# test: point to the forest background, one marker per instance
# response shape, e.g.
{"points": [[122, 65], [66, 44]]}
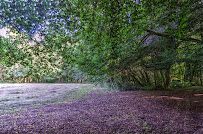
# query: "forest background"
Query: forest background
{"points": [[123, 44]]}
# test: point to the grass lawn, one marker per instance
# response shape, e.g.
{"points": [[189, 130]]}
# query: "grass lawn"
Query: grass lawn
{"points": [[85, 108]]}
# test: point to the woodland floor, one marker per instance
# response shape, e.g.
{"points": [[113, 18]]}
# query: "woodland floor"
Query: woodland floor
{"points": [[89, 109]]}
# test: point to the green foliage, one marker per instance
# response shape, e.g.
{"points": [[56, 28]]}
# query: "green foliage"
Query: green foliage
{"points": [[177, 84], [80, 93], [28, 16], [115, 40], [127, 44], [9, 51]]}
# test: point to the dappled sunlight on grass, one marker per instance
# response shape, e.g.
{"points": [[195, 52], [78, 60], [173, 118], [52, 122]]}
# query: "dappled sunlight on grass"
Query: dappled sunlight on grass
{"points": [[168, 97], [196, 101], [176, 98], [17, 95], [198, 94], [90, 108]]}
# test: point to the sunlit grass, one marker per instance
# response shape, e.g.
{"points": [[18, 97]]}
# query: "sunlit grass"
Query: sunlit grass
{"points": [[79, 93]]}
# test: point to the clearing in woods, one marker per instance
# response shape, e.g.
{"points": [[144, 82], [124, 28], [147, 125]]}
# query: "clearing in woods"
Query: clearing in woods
{"points": [[85, 108]]}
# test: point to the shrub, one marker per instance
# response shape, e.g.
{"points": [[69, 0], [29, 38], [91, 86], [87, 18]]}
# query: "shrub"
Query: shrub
{"points": [[178, 84]]}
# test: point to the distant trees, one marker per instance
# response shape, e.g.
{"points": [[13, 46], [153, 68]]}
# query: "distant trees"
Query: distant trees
{"points": [[21, 62]]}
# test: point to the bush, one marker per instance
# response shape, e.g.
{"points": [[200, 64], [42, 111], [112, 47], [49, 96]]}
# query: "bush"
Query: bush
{"points": [[51, 80], [178, 84]]}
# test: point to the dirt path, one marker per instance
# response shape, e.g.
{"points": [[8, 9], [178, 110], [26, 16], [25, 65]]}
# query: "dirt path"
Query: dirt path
{"points": [[144, 112]]}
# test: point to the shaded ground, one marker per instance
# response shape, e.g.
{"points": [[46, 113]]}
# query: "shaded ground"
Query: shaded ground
{"points": [[156, 112]]}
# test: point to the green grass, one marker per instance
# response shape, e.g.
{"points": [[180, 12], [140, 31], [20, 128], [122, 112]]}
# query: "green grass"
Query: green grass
{"points": [[197, 88], [4, 100], [30, 97], [73, 95], [79, 93]]}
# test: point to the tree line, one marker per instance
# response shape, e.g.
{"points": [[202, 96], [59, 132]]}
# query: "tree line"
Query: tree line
{"points": [[127, 44]]}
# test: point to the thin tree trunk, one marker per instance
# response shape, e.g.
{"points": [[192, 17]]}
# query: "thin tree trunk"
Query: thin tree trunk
{"points": [[147, 78], [133, 76], [143, 78], [155, 79], [167, 75]]}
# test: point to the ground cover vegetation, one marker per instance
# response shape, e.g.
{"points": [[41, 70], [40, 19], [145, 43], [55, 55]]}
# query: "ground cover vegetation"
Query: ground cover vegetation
{"points": [[127, 44], [86, 108]]}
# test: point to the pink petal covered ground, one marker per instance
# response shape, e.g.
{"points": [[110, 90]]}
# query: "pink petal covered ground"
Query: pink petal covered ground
{"points": [[156, 112]]}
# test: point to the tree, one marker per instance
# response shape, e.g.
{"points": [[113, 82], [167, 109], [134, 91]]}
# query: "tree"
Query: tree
{"points": [[115, 36], [128, 43], [28, 16]]}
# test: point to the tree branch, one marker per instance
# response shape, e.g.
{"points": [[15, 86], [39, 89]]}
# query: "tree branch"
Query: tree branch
{"points": [[159, 34], [144, 38], [167, 36], [13, 25]]}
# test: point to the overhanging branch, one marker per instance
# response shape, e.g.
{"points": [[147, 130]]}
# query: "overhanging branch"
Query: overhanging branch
{"points": [[13, 25], [167, 36], [159, 34], [18, 29]]}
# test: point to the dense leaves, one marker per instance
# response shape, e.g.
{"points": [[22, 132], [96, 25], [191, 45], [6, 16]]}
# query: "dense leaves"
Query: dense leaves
{"points": [[138, 41], [28, 16], [129, 44]]}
